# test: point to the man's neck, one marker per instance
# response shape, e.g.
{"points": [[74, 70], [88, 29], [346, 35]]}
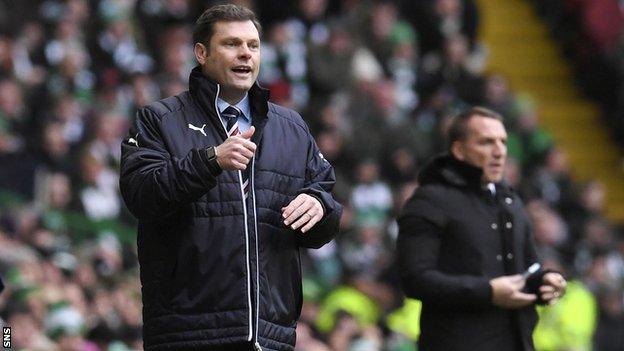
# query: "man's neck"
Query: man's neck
{"points": [[232, 97]]}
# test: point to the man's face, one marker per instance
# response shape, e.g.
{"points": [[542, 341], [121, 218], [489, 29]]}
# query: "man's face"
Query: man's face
{"points": [[232, 58], [485, 146]]}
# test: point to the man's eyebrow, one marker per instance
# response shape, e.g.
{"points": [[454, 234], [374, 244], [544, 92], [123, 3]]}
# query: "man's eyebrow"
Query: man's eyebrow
{"points": [[235, 38], [231, 38]]}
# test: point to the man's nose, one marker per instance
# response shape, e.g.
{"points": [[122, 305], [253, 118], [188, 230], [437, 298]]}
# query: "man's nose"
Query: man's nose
{"points": [[244, 52], [500, 150]]}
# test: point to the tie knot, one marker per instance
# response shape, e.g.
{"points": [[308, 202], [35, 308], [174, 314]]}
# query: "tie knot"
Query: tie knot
{"points": [[231, 119], [231, 112]]}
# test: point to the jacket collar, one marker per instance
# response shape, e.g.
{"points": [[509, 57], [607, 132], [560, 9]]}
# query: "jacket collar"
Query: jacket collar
{"points": [[447, 169], [205, 91]]}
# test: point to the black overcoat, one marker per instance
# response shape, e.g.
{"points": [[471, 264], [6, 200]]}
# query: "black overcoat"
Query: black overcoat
{"points": [[455, 236]]}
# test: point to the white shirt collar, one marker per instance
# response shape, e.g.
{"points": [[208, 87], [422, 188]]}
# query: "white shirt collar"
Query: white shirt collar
{"points": [[492, 188]]}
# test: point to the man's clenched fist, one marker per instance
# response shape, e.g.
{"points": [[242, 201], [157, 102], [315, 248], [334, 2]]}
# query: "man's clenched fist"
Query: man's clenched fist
{"points": [[236, 151]]}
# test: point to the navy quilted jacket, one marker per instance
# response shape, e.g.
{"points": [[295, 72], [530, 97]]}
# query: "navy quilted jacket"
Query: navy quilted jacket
{"points": [[214, 268]]}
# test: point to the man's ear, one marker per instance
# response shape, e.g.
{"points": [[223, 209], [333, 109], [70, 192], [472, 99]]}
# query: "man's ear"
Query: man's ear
{"points": [[457, 149], [201, 52]]}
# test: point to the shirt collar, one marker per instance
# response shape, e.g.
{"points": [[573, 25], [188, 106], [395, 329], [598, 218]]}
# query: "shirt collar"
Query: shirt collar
{"points": [[492, 188], [242, 105]]}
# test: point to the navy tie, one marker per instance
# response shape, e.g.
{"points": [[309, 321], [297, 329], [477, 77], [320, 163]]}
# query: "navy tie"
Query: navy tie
{"points": [[231, 115]]}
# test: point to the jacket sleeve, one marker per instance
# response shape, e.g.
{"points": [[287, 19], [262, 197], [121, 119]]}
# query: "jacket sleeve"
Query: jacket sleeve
{"points": [[320, 180], [530, 255], [420, 237], [153, 182], [535, 280]]}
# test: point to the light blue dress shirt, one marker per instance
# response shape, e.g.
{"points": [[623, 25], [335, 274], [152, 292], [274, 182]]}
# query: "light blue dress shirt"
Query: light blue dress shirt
{"points": [[244, 122]]}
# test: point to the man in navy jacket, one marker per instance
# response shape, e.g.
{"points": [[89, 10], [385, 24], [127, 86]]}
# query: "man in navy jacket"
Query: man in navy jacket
{"points": [[227, 187]]}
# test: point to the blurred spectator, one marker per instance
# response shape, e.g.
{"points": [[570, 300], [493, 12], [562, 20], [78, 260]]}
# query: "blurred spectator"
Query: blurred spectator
{"points": [[549, 230], [109, 130], [451, 67], [591, 198], [371, 198], [177, 58], [330, 65], [498, 97], [438, 20], [343, 311], [528, 143], [69, 112], [116, 43], [386, 33], [310, 22], [13, 118], [99, 196], [55, 199], [56, 149], [552, 182], [332, 144], [27, 55], [401, 166], [282, 70], [366, 255]]}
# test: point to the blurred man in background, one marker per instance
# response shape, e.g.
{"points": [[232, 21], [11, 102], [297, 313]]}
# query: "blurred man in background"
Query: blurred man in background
{"points": [[464, 240]]}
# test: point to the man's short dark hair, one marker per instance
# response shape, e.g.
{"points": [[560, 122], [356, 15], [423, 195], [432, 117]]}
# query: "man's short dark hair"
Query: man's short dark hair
{"points": [[458, 129], [204, 26]]}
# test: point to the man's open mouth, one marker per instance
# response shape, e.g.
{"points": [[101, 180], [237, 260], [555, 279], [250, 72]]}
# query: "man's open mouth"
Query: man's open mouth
{"points": [[241, 69]]}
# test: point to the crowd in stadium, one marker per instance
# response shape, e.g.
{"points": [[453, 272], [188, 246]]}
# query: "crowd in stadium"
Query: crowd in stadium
{"points": [[377, 82]]}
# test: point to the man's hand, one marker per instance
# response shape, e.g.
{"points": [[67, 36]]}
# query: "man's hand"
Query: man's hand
{"points": [[236, 151], [553, 288], [302, 212], [506, 292]]}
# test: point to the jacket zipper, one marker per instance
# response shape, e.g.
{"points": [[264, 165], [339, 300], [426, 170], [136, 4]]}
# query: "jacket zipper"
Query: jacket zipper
{"points": [[253, 193], [240, 182]]}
